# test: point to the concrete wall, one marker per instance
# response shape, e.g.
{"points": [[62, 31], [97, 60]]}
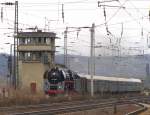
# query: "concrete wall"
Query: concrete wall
{"points": [[31, 73], [35, 47]]}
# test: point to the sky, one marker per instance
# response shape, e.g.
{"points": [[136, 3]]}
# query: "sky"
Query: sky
{"points": [[126, 20]]}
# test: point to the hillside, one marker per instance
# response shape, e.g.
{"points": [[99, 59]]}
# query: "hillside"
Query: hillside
{"points": [[129, 66], [3, 65]]}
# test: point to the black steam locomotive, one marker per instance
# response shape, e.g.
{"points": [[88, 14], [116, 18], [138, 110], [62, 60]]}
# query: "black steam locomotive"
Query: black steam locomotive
{"points": [[58, 81]]}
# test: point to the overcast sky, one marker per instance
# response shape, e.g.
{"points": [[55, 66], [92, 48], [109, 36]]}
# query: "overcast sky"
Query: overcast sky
{"points": [[131, 18]]}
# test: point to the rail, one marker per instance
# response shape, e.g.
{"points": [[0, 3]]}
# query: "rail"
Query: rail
{"points": [[69, 106], [72, 108], [142, 109], [52, 104]]}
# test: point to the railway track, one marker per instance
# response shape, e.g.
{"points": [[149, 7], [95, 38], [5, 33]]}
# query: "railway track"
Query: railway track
{"points": [[71, 109], [44, 106], [48, 109], [138, 111]]}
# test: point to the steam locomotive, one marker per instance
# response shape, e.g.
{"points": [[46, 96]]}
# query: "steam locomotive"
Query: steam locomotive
{"points": [[58, 81]]}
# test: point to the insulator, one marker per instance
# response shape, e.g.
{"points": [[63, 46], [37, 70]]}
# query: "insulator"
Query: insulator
{"points": [[149, 15], [2, 14], [63, 12], [9, 3]]}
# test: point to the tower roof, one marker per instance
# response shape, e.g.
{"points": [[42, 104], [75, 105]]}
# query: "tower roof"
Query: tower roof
{"points": [[36, 34]]}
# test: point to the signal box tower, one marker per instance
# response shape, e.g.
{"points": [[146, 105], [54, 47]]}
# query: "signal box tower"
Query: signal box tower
{"points": [[36, 52]]}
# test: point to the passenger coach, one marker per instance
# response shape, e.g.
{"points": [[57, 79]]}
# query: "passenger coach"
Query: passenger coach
{"points": [[107, 84]]}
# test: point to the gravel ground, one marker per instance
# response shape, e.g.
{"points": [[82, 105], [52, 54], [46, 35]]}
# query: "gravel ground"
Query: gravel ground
{"points": [[146, 112], [121, 110]]}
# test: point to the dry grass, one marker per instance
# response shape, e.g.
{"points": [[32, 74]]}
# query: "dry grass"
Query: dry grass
{"points": [[24, 97], [19, 97]]}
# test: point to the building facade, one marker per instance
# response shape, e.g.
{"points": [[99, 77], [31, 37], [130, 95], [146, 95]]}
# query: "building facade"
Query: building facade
{"points": [[36, 52]]}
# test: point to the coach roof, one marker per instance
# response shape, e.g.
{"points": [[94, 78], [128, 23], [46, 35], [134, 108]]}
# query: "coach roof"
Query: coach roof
{"points": [[104, 78]]}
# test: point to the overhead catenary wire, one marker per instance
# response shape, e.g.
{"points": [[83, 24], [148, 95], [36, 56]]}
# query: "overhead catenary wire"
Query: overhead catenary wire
{"points": [[123, 22], [72, 2], [99, 25], [121, 5], [76, 30], [55, 3], [72, 9], [71, 50], [106, 22], [138, 11], [122, 26], [133, 17], [5, 12], [20, 23]]}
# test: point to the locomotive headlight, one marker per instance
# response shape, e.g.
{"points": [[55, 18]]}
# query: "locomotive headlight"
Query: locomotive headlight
{"points": [[59, 87]]}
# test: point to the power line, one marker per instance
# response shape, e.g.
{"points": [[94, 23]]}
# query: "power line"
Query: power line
{"points": [[72, 2], [76, 9], [71, 50], [112, 16], [56, 3], [7, 17], [7, 28], [133, 17], [137, 9], [19, 22], [126, 21]]}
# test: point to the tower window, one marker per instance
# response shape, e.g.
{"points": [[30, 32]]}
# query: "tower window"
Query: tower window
{"points": [[27, 56], [44, 40], [39, 40]]}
